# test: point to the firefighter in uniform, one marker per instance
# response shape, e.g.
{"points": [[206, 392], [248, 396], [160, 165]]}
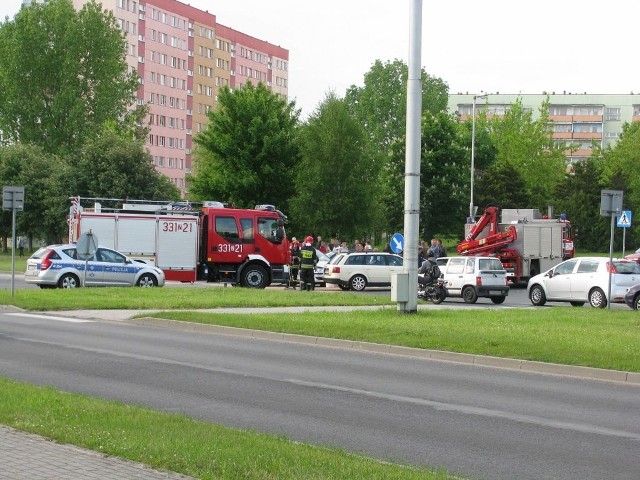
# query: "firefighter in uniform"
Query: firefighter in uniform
{"points": [[308, 260]]}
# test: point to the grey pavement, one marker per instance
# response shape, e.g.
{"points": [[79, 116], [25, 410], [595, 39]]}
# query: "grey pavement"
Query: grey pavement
{"points": [[30, 457]]}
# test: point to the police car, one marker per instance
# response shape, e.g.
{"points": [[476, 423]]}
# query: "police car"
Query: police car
{"points": [[58, 266]]}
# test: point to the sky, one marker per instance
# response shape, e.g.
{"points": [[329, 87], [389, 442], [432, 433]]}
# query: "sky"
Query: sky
{"points": [[475, 46]]}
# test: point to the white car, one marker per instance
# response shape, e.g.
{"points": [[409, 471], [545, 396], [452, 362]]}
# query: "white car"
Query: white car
{"points": [[59, 266], [584, 279], [473, 277], [358, 270]]}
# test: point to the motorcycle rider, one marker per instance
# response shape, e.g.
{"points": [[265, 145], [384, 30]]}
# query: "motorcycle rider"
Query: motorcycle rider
{"points": [[308, 260], [428, 272]]}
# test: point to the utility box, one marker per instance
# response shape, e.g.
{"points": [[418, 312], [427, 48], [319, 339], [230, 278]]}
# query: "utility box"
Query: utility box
{"points": [[400, 287]]}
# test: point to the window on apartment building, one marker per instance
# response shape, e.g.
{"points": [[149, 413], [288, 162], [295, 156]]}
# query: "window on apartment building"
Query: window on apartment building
{"points": [[562, 128], [133, 28], [587, 110], [133, 50], [122, 3], [612, 135], [612, 113], [134, 7], [636, 110], [162, 99], [161, 161], [587, 127], [160, 141]]}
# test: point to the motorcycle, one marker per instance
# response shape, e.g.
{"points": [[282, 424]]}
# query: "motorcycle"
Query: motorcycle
{"points": [[431, 290]]}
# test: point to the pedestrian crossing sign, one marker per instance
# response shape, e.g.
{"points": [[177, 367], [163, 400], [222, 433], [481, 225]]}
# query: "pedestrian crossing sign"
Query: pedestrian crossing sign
{"points": [[624, 220]]}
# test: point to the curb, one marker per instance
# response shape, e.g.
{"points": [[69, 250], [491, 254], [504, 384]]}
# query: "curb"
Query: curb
{"points": [[630, 378]]}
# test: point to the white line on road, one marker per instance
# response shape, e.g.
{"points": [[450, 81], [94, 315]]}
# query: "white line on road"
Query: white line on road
{"points": [[48, 317]]}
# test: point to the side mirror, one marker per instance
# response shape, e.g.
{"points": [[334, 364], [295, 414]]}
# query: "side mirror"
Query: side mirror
{"points": [[549, 274]]}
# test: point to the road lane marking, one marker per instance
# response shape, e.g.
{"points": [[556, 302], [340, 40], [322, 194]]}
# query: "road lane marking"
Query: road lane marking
{"points": [[48, 317]]}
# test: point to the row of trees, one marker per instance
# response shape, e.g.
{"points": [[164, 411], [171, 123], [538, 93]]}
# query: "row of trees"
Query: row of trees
{"points": [[70, 127]]}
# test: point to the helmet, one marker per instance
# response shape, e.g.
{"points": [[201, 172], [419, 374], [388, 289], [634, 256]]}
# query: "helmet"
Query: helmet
{"points": [[309, 239]]}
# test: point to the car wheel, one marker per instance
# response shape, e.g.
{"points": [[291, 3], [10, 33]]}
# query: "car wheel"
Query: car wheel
{"points": [[577, 304], [537, 296], [147, 280], [597, 298], [254, 276], [358, 283], [498, 300], [469, 295], [68, 280], [636, 302]]}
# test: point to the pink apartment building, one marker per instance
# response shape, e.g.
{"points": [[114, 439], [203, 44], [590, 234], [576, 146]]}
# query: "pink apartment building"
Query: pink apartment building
{"points": [[183, 57]]}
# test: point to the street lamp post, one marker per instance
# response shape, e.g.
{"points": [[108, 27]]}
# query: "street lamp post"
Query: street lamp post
{"points": [[473, 146]]}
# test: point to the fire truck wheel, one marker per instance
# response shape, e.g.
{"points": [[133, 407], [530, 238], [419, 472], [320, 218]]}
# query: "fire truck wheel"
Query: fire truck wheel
{"points": [[597, 298], [147, 280], [68, 280], [254, 276], [469, 295], [537, 296]]}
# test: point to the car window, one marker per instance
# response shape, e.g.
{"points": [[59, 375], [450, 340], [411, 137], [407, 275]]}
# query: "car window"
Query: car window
{"points": [[588, 266], [471, 265], [456, 265], [355, 260], [40, 253], [627, 267], [393, 260], [104, 255], [565, 268], [70, 252], [490, 264], [336, 259]]}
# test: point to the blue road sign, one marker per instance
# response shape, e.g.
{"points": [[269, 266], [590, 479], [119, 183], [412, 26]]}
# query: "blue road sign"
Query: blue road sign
{"points": [[624, 220], [397, 243]]}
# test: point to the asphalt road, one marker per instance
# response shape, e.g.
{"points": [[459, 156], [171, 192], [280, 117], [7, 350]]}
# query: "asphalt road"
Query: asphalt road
{"points": [[480, 422]]}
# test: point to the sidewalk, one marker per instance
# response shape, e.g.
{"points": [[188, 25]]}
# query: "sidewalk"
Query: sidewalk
{"points": [[30, 457]]}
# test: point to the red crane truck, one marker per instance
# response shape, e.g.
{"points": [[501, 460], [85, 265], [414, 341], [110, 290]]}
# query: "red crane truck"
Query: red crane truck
{"points": [[188, 241], [525, 242]]}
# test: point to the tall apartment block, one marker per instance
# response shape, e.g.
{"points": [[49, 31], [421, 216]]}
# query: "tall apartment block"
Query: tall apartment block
{"points": [[578, 120], [183, 57]]}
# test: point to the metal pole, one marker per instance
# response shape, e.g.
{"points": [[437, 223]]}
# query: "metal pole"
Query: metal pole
{"points": [[613, 219], [13, 249], [473, 151], [412, 158]]}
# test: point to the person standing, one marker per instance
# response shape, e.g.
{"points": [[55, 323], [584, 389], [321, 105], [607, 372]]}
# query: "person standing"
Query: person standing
{"points": [[21, 245], [308, 260], [295, 263]]}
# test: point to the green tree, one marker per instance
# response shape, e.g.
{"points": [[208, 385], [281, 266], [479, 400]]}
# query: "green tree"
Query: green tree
{"points": [[380, 106], [248, 152], [502, 185], [43, 176], [444, 170], [528, 145], [114, 166], [578, 196], [336, 186], [63, 74]]}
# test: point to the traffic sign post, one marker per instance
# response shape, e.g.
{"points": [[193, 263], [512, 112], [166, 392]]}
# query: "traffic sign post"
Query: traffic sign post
{"points": [[85, 249], [397, 243], [610, 206], [624, 222], [13, 199]]}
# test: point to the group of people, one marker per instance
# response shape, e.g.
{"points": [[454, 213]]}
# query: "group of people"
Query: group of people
{"points": [[435, 250]]}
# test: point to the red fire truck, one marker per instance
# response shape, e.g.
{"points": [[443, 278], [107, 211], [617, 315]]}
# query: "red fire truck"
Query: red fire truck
{"points": [[188, 241], [526, 242]]}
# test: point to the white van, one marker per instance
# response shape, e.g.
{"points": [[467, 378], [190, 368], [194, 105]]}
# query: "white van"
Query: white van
{"points": [[473, 277]]}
